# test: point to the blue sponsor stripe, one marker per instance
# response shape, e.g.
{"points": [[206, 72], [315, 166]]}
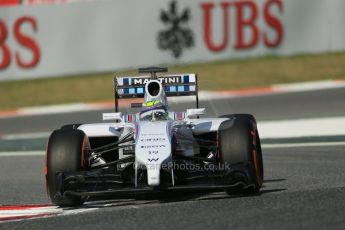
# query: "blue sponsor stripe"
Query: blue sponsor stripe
{"points": [[180, 88], [126, 91], [186, 88], [140, 90], [131, 90], [172, 88], [125, 81], [186, 79]]}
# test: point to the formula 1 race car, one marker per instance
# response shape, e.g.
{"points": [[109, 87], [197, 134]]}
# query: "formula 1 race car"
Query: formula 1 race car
{"points": [[154, 150]]}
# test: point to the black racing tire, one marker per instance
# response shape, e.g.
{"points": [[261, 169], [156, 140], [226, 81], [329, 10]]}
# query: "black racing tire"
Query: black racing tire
{"points": [[240, 116], [71, 126], [66, 152], [239, 145]]}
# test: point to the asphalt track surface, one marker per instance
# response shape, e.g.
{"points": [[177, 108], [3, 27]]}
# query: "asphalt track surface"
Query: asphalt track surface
{"points": [[321, 103], [304, 188]]}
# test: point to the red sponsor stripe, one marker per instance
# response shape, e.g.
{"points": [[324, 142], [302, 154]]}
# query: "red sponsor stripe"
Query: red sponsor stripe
{"points": [[179, 116], [129, 118]]}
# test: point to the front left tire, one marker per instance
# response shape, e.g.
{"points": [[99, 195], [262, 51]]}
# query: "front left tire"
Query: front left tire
{"points": [[239, 145]]}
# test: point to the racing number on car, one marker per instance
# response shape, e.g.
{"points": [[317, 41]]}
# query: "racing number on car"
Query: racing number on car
{"points": [[22, 40]]}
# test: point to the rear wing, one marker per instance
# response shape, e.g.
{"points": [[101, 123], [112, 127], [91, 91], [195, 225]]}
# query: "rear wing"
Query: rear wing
{"points": [[173, 85]]}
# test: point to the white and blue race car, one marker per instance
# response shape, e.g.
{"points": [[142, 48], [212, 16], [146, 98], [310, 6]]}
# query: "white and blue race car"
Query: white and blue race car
{"points": [[154, 150]]}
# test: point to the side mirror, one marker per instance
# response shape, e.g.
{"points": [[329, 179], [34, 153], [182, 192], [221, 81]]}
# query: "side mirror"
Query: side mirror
{"points": [[117, 117], [195, 112]]}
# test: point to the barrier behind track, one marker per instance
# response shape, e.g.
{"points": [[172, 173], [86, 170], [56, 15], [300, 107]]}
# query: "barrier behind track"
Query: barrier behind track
{"points": [[105, 35]]}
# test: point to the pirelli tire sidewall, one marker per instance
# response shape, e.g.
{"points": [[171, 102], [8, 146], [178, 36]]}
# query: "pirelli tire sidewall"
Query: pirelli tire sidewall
{"points": [[239, 145], [66, 152]]}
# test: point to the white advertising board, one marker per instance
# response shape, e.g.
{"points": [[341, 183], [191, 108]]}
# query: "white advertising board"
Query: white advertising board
{"points": [[107, 35]]}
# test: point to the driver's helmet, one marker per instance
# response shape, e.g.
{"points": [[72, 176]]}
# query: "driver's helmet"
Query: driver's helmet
{"points": [[154, 112]]}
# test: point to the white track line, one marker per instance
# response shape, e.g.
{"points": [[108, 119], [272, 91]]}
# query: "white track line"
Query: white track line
{"points": [[308, 86], [22, 153], [314, 127], [22, 136]]}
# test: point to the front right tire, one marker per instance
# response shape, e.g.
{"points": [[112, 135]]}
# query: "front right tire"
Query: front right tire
{"points": [[66, 151]]}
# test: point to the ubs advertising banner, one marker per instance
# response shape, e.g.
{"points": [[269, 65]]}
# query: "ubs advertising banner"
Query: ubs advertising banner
{"points": [[77, 37]]}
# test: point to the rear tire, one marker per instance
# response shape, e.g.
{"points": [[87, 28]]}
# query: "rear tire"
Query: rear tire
{"points": [[239, 144], [240, 116], [65, 153], [71, 126]]}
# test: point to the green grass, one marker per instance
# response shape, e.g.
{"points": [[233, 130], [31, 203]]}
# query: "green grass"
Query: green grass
{"points": [[220, 75]]}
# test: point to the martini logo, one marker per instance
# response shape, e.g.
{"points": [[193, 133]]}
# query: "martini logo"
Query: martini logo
{"points": [[163, 80], [140, 81], [169, 80], [177, 36]]}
